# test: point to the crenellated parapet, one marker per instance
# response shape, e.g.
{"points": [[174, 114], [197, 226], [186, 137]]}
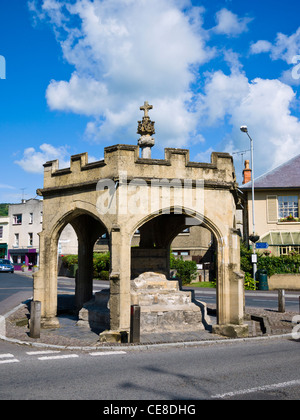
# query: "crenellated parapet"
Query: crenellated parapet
{"points": [[122, 158]]}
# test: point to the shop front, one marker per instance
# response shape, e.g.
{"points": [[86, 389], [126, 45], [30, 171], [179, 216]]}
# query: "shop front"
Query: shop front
{"points": [[27, 257], [3, 250]]}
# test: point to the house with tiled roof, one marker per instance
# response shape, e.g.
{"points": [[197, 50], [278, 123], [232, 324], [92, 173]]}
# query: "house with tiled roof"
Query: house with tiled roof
{"points": [[276, 206]]}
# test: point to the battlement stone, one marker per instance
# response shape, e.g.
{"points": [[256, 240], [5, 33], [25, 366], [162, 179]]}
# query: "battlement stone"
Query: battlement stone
{"points": [[125, 158]]}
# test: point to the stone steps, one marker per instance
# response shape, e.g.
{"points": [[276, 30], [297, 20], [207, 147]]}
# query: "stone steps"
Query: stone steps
{"points": [[147, 297], [163, 306]]}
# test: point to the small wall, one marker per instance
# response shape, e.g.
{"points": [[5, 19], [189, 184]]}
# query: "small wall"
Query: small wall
{"points": [[154, 259], [284, 281]]}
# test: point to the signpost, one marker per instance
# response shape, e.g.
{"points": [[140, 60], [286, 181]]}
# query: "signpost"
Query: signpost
{"points": [[262, 245]]}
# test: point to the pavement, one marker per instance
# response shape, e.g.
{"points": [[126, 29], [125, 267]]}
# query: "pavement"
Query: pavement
{"points": [[263, 323]]}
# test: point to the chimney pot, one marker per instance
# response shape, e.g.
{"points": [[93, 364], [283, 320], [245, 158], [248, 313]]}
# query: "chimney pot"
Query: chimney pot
{"points": [[246, 173]]}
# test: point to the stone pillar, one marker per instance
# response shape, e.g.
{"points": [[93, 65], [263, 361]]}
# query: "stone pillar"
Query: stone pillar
{"points": [[45, 281], [119, 303], [230, 291]]}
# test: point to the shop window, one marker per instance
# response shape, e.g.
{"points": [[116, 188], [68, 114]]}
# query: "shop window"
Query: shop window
{"points": [[17, 259]]}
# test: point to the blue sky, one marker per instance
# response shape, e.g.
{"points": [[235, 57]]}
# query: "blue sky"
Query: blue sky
{"points": [[78, 70]]}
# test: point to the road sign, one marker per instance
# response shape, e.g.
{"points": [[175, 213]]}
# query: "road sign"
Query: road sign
{"points": [[262, 245]]}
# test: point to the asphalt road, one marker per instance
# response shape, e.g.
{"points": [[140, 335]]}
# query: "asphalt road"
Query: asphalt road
{"points": [[15, 288], [261, 368], [257, 299], [251, 369]]}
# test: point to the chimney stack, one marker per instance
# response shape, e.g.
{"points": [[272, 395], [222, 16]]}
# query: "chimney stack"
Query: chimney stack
{"points": [[246, 173]]}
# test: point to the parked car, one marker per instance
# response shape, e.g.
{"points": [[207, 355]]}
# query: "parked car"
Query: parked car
{"points": [[6, 266]]}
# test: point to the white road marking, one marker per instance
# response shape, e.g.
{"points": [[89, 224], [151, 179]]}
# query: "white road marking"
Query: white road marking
{"points": [[258, 388], [106, 353], [2, 362], [39, 352], [5, 355], [63, 356]]}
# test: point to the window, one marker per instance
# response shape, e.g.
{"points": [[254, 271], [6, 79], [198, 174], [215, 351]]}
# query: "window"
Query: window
{"points": [[17, 259], [41, 216], [30, 239], [30, 218], [185, 232], [16, 240], [285, 250], [183, 253], [287, 206], [1, 232], [17, 219]]}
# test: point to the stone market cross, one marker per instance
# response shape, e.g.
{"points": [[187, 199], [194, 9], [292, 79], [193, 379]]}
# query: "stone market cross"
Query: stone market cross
{"points": [[72, 195]]}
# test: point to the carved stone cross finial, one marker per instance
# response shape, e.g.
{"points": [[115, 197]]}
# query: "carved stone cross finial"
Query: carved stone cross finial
{"points": [[146, 129], [146, 107]]}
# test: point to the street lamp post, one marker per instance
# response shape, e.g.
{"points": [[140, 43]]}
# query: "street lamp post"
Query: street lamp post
{"points": [[254, 238]]}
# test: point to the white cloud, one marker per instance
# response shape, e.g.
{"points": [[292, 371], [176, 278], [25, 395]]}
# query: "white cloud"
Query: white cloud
{"points": [[260, 46], [80, 95], [125, 52], [284, 47], [33, 160], [263, 105], [230, 24]]}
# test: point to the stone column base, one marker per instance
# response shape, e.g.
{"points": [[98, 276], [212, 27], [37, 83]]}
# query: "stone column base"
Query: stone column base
{"points": [[113, 336], [48, 323], [231, 330]]}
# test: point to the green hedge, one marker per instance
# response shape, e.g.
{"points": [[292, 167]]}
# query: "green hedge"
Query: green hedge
{"points": [[274, 265], [101, 262]]}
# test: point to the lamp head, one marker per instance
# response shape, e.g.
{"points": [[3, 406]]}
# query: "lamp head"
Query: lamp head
{"points": [[244, 129]]}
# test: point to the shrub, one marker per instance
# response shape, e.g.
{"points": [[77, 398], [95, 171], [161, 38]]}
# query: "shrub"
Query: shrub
{"points": [[249, 283], [101, 263], [69, 260], [104, 275], [186, 270]]}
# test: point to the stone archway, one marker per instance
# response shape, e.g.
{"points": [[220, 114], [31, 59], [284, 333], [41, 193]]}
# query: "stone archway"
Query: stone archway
{"points": [[88, 228], [156, 234]]}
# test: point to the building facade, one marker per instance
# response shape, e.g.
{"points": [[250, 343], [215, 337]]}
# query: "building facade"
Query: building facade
{"points": [[25, 222], [276, 207], [4, 235]]}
